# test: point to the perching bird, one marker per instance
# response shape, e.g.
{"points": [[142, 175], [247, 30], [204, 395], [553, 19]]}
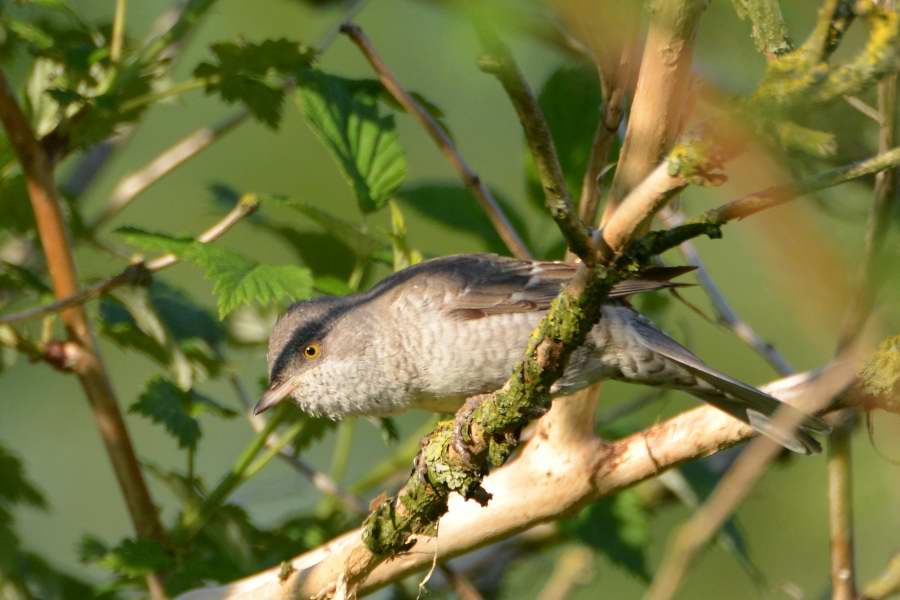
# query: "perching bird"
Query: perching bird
{"points": [[441, 331]]}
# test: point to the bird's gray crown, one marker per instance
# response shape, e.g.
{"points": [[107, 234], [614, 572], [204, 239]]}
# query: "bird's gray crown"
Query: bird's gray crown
{"points": [[302, 323]]}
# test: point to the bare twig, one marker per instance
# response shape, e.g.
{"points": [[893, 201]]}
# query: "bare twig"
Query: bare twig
{"points": [[498, 61], [840, 458], [778, 194], [93, 377], [886, 585], [132, 185], [840, 513], [139, 272], [661, 99], [118, 32], [469, 177], [320, 480], [726, 314]]}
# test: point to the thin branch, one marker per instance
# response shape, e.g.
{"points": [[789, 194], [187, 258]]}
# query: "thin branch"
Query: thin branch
{"points": [[840, 458], [469, 177], [840, 513], [320, 480], [886, 585], [548, 479], [498, 61], [93, 377], [460, 584], [779, 194], [570, 571], [726, 314], [661, 98], [136, 273]]}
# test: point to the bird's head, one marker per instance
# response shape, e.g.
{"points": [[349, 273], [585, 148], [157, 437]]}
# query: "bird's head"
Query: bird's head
{"points": [[300, 342]]}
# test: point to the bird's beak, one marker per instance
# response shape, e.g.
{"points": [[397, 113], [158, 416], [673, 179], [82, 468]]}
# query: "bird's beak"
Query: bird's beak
{"points": [[273, 395]]}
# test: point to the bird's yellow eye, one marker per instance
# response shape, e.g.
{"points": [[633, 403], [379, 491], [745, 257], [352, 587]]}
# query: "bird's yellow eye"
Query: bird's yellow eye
{"points": [[312, 351]]}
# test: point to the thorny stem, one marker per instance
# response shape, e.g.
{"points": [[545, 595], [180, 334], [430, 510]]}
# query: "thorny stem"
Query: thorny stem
{"points": [[93, 377], [498, 61], [469, 177]]}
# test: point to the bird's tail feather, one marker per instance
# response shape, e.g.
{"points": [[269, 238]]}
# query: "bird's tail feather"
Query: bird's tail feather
{"points": [[736, 398]]}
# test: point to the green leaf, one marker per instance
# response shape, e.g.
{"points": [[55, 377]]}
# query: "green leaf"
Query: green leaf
{"points": [[619, 528], [164, 402], [236, 279], [246, 72], [453, 206], [16, 487], [570, 100], [345, 115], [132, 557]]}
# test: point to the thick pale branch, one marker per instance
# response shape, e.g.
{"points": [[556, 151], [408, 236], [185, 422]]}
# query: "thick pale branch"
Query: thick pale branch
{"points": [[661, 98], [92, 374], [137, 273], [470, 178], [550, 478]]}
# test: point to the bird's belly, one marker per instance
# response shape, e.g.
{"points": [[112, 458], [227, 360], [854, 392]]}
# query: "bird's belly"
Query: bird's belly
{"points": [[462, 358]]}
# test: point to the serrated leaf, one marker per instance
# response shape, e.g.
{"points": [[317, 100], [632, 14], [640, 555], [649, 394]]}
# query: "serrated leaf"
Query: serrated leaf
{"points": [[236, 279], [346, 117], [619, 528], [314, 429], [132, 557], [570, 100], [453, 206], [164, 402], [245, 72]]}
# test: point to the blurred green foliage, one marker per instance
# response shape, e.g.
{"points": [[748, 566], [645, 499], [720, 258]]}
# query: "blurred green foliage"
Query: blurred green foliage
{"points": [[350, 188]]}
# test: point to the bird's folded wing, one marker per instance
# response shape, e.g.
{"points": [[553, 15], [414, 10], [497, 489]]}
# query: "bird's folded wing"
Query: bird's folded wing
{"points": [[502, 285]]}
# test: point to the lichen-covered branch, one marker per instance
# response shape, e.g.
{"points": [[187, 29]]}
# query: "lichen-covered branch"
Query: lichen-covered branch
{"points": [[498, 60], [662, 96], [470, 178], [54, 237], [137, 273], [769, 30]]}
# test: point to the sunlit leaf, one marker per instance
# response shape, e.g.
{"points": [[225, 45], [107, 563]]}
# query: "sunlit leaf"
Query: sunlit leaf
{"points": [[346, 117], [236, 279]]}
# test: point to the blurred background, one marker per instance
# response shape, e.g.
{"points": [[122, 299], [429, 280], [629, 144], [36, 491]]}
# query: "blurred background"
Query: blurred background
{"points": [[787, 273]]}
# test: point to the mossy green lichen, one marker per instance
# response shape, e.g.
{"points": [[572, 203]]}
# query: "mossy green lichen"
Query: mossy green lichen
{"points": [[880, 376]]}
